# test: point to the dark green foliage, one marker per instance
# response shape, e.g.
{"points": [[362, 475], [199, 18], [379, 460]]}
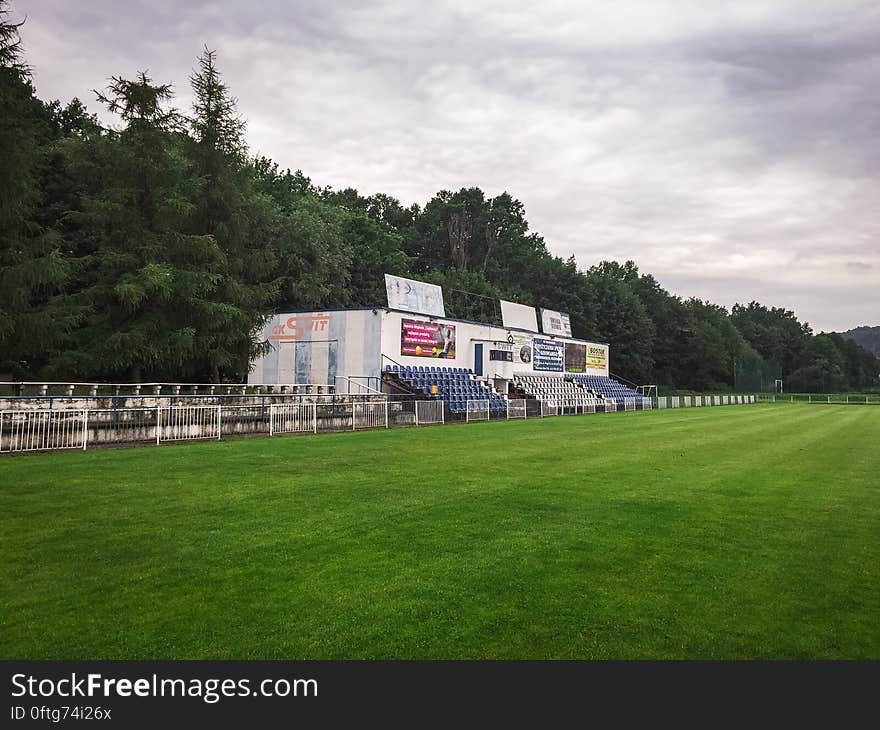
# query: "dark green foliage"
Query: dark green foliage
{"points": [[34, 270], [468, 295], [149, 281], [232, 213], [157, 249], [622, 320]]}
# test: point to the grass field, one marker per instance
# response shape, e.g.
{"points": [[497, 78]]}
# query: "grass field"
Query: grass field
{"points": [[748, 531]]}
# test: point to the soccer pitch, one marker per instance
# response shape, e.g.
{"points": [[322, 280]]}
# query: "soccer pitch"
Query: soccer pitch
{"points": [[732, 532]]}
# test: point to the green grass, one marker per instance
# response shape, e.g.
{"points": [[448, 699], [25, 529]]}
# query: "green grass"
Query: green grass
{"points": [[747, 531]]}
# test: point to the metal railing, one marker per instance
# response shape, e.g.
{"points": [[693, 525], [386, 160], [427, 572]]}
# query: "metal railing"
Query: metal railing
{"points": [[293, 418], [429, 411], [361, 388], [826, 398], [184, 423], [477, 410], [54, 429], [43, 430], [516, 409], [45, 389]]}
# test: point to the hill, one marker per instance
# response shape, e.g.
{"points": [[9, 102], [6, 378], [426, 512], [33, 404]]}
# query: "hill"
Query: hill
{"points": [[866, 337]]}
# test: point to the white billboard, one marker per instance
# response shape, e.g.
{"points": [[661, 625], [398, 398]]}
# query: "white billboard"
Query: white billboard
{"points": [[414, 296], [519, 316], [555, 323]]}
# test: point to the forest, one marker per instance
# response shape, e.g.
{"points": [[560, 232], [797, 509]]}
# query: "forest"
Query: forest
{"points": [[153, 248]]}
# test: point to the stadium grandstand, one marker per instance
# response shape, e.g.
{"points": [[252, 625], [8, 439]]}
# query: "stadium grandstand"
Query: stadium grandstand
{"points": [[556, 390], [411, 346], [607, 388], [454, 386]]}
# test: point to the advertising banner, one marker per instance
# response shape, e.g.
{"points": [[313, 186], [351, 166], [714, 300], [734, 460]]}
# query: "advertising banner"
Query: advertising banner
{"points": [[519, 316], [522, 350], [555, 323], [427, 339], [575, 357], [414, 296], [597, 357], [548, 356]]}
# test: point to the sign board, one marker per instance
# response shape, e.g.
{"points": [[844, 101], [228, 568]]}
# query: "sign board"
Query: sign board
{"points": [[414, 296], [555, 323], [519, 316], [295, 326], [575, 357], [522, 350], [548, 356], [427, 339], [597, 357]]}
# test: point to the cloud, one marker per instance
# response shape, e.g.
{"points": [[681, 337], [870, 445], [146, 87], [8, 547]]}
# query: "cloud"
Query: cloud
{"points": [[732, 150]]}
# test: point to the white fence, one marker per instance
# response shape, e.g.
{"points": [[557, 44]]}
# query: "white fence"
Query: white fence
{"points": [[696, 401], [292, 418], [477, 410], [184, 423], [42, 430], [566, 407], [121, 425], [516, 409], [369, 415], [429, 411]]}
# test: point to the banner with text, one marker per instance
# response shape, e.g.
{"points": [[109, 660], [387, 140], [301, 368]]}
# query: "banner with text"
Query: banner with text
{"points": [[549, 356], [427, 339], [555, 323], [597, 357]]}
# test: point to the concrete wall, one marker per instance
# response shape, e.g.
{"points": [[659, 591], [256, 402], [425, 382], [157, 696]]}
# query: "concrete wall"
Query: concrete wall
{"points": [[316, 347]]}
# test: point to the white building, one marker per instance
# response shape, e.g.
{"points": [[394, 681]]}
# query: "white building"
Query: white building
{"points": [[342, 347]]}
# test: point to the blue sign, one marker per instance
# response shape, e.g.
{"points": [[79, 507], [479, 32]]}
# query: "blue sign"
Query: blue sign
{"points": [[549, 356]]}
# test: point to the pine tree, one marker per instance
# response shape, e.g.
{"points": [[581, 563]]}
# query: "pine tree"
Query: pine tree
{"points": [[229, 211], [149, 281]]}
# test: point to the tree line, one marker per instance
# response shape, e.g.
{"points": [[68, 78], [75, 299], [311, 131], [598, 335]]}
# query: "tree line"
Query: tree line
{"points": [[153, 249]]}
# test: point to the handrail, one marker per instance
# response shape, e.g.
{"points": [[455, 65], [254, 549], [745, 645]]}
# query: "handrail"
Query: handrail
{"points": [[348, 379], [393, 361], [622, 379]]}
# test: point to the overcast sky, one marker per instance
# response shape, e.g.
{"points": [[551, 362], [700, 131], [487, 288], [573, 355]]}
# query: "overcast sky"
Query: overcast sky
{"points": [[731, 149]]}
